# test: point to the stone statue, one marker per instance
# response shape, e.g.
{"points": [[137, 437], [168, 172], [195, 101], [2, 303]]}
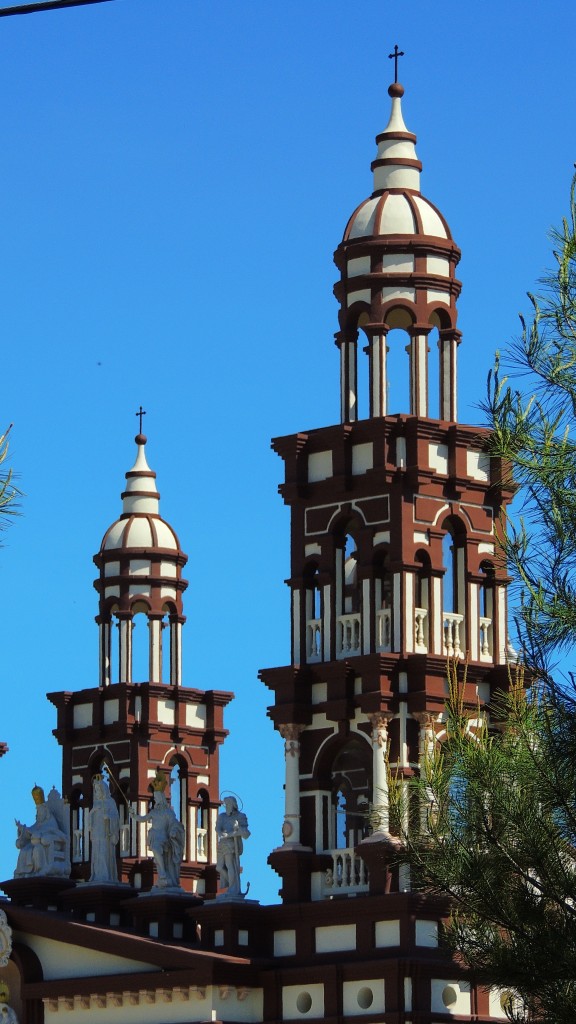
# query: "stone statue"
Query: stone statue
{"points": [[104, 830], [45, 846], [7, 1014], [166, 837], [231, 829], [5, 942]]}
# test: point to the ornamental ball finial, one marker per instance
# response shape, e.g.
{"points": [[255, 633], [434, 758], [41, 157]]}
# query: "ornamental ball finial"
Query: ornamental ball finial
{"points": [[396, 91]]}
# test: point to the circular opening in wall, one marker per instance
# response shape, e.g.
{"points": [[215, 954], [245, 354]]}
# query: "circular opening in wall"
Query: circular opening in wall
{"points": [[365, 998], [304, 1002], [449, 995]]}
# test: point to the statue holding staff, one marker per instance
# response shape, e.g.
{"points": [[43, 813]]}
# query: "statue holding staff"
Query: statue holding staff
{"points": [[231, 830]]}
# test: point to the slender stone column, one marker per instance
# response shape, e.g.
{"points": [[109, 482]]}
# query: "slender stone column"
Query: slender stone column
{"points": [[291, 827], [427, 745], [449, 341], [418, 350], [379, 722], [104, 636], [348, 383]]}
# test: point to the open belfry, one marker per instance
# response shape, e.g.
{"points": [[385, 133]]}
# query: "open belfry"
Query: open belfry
{"points": [[127, 903]]}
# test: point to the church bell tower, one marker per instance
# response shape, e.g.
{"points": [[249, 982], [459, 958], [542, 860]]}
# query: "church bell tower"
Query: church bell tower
{"points": [[141, 717], [394, 569]]}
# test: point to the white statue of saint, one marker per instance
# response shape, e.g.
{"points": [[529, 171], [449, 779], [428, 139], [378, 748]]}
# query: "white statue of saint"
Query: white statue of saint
{"points": [[45, 846], [104, 830], [231, 830], [166, 836]]}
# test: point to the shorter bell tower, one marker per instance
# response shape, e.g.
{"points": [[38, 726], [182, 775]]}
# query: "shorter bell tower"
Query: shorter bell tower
{"points": [[141, 718]]}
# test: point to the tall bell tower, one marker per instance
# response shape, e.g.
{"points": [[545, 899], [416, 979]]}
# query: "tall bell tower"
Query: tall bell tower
{"points": [[394, 568], [141, 717]]}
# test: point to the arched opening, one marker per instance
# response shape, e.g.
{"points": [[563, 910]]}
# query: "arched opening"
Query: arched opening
{"points": [[179, 792], [363, 369], [422, 601], [313, 613], [397, 371], [171, 670], [203, 826], [453, 586], [340, 818], [114, 645], [348, 597], [434, 374], [140, 644], [77, 823], [383, 601], [486, 606]]}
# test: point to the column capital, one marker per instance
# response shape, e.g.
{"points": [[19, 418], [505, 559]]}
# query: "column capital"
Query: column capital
{"points": [[379, 721], [290, 731]]}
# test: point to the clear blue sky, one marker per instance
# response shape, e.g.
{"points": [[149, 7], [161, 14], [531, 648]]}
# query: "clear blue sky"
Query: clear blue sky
{"points": [[174, 177]]}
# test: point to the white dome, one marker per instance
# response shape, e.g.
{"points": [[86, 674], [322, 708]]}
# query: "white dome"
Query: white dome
{"points": [[396, 213], [140, 531]]}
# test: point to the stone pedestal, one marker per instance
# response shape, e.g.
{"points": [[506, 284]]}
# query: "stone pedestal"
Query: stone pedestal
{"points": [[165, 915], [295, 866], [380, 853], [42, 893], [100, 903]]}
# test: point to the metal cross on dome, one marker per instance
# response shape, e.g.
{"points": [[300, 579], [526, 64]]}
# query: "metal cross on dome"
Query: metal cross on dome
{"points": [[394, 56], [141, 412]]}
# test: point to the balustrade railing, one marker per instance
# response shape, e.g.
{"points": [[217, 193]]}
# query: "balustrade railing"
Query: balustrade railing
{"points": [[451, 623], [485, 639], [314, 640], [347, 875], [349, 634], [384, 629], [420, 629]]}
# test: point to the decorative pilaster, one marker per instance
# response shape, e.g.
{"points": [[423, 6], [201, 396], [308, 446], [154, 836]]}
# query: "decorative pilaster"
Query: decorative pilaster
{"points": [[418, 350], [291, 828]]}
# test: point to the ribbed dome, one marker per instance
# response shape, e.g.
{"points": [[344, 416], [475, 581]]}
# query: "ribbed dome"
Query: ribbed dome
{"points": [[143, 531], [393, 213]]}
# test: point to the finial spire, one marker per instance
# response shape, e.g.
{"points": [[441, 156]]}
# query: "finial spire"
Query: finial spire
{"points": [[139, 414], [394, 56]]}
